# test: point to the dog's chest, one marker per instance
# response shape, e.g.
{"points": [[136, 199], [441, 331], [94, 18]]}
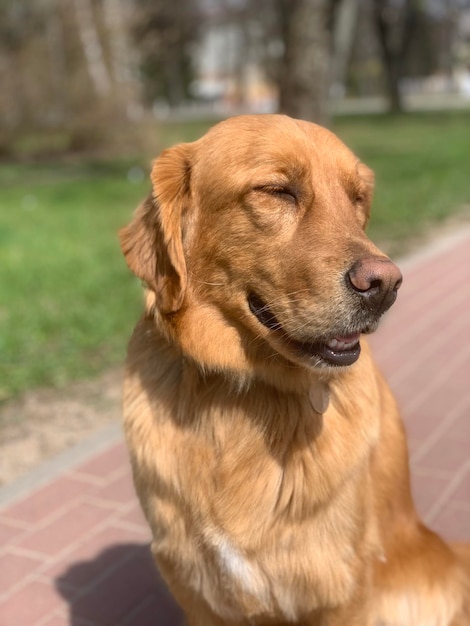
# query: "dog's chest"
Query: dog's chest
{"points": [[256, 531], [261, 544], [287, 576]]}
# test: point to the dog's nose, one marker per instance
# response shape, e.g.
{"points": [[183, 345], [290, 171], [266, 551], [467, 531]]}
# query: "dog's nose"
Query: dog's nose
{"points": [[377, 280]]}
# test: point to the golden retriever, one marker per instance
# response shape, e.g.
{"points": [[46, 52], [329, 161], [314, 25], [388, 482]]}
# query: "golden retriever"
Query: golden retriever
{"points": [[267, 450]]}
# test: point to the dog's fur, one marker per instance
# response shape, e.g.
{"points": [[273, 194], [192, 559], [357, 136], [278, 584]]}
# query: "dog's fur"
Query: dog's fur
{"points": [[276, 485]]}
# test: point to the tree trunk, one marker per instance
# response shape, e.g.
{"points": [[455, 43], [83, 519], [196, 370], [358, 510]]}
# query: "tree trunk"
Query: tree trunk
{"points": [[395, 27], [390, 59], [345, 28], [92, 48], [118, 44], [56, 45], [306, 66], [123, 59]]}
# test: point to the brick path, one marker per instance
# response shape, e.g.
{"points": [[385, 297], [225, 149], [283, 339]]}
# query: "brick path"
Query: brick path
{"points": [[75, 550]]}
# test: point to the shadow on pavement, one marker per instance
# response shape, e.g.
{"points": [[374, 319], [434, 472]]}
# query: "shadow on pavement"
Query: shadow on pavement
{"points": [[119, 587]]}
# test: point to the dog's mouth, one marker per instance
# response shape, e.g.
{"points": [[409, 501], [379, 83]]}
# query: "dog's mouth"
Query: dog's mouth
{"points": [[337, 351]]}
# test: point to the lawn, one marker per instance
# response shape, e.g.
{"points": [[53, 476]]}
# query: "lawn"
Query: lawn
{"points": [[67, 300], [421, 167]]}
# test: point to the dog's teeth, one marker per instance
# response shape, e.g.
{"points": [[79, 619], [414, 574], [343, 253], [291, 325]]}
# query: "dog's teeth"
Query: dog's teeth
{"points": [[334, 344]]}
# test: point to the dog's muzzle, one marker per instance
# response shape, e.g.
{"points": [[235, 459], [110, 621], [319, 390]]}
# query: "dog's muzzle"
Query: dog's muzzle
{"points": [[376, 280]]}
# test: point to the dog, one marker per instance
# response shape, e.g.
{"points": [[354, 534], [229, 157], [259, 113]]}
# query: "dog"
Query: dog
{"points": [[267, 451]]}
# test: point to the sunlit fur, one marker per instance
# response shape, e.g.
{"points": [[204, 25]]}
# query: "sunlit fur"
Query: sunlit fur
{"points": [[263, 510]]}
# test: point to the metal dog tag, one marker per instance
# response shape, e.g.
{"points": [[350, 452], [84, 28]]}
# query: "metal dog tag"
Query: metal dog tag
{"points": [[319, 398]]}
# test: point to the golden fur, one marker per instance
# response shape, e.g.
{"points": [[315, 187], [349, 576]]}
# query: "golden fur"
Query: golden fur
{"points": [[276, 484]]}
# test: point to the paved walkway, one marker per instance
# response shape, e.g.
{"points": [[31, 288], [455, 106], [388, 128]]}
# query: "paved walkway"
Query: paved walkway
{"points": [[74, 550]]}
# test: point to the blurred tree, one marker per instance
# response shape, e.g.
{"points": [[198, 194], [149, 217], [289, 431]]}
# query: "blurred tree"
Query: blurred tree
{"points": [[123, 57], [18, 23], [345, 30], [165, 32], [73, 67], [395, 23], [120, 53], [65, 66], [316, 38], [92, 47], [305, 70], [56, 48]]}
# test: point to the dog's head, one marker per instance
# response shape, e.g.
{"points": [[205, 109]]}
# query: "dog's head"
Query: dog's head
{"points": [[252, 245]]}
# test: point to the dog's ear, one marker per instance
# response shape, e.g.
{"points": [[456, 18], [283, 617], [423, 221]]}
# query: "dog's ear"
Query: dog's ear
{"points": [[152, 243]]}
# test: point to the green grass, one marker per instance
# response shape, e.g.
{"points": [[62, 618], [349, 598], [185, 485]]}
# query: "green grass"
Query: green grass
{"points": [[421, 167], [67, 300]]}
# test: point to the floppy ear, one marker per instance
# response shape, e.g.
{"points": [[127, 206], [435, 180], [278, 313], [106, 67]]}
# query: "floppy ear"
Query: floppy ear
{"points": [[152, 243]]}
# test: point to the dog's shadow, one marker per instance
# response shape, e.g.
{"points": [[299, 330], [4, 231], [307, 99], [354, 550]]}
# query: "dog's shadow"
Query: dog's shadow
{"points": [[119, 587]]}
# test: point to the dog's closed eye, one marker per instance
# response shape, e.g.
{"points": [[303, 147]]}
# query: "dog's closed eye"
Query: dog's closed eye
{"points": [[360, 198], [285, 193]]}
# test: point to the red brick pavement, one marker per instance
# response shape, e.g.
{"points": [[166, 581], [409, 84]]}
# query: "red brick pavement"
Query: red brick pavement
{"points": [[75, 551]]}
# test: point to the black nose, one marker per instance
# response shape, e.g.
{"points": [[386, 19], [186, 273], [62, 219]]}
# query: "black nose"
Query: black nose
{"points": [[377, 280]]}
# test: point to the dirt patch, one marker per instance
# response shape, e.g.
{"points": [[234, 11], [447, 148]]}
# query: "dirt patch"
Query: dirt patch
{"points": [[44, 422]]}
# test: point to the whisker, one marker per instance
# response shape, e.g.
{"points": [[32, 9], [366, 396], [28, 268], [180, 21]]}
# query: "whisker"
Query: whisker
{"points": [[274, 302]]}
